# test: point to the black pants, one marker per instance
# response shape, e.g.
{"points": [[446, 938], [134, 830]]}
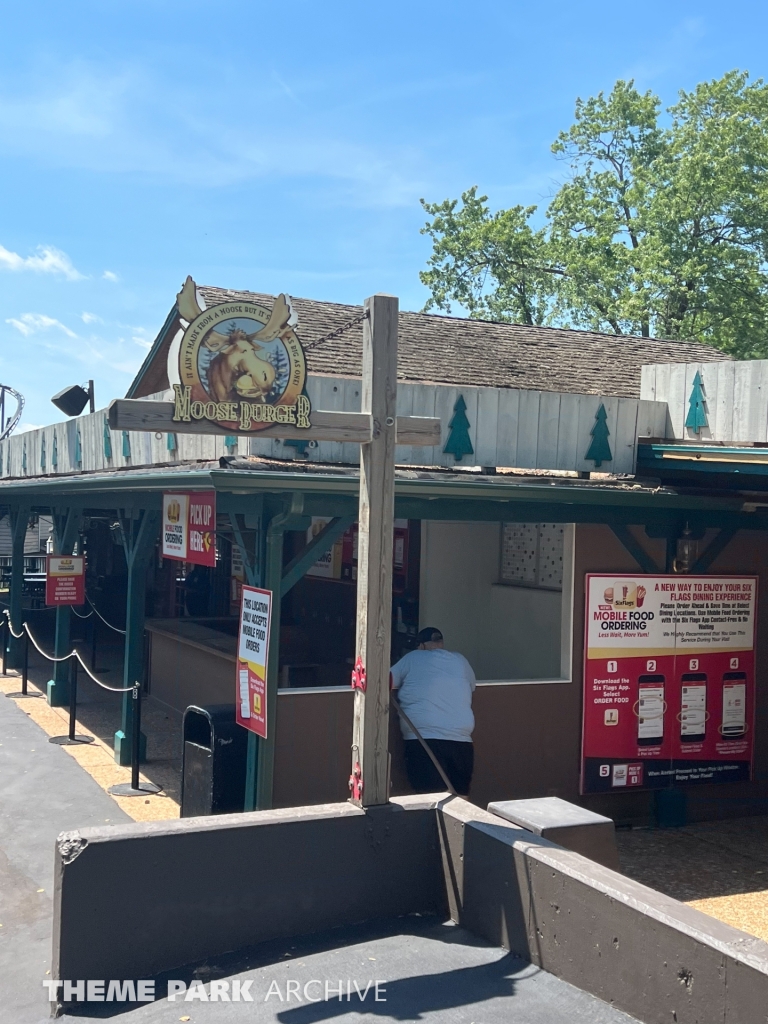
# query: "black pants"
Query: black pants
{"points": [[456, 759]]}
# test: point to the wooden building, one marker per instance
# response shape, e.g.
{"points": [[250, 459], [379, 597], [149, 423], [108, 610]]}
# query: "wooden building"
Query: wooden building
{"points": [[496, 528]]}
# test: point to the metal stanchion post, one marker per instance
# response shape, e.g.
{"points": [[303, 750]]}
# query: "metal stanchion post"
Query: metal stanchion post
{"points": [[25, 669], [72, 699], [136, 737], [24, 692], [72, 737], [135, 787], [5, 645], [93, 642]]}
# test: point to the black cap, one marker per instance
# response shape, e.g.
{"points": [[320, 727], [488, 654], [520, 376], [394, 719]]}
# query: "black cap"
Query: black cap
{"points": [[430, 635]]}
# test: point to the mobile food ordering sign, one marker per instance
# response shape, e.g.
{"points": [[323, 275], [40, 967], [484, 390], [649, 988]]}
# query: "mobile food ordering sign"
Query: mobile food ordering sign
{"points": [[252, 655], [669, 681], [189, 527], [65, 580]]}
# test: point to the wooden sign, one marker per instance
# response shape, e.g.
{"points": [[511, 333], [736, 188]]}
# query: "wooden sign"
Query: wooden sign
{"points": [[238, 364], [65, 580], [137, 414]]}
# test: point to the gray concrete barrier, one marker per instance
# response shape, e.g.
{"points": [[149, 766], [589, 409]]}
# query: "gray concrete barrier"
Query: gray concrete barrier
{"points": [[132, 901], [564, 823], [644, 952]]}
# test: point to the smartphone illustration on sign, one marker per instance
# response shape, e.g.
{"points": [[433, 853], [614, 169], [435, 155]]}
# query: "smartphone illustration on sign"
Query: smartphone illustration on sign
{"points": [[650, 710], [734, 704], [693, 707], [245, 703]]}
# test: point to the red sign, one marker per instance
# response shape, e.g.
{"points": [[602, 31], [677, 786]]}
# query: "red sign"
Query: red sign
{"points": [[189, 527], [202, 528], [252, 659], [65, 580], [669, 681]]}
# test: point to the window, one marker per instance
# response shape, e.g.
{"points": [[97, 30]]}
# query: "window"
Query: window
{"points": [[532, 555]]}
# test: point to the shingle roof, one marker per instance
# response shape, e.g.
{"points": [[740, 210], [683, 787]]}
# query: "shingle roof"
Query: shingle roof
{"points": [[451, 350]]}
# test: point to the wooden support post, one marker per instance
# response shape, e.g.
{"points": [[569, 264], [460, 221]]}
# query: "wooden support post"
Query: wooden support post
{"points": [[370, 746], [66, 528], [139, 536], [19, 517]]}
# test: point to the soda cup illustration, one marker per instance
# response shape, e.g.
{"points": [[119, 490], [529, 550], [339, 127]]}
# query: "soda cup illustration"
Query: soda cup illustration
{"points": [[641, 592]]}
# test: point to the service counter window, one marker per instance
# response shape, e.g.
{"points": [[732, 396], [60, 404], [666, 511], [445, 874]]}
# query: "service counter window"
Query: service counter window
{"points": [[502, 593]]}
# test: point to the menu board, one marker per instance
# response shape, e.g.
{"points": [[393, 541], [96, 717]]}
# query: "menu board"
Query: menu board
{"points": [[669, 681]]}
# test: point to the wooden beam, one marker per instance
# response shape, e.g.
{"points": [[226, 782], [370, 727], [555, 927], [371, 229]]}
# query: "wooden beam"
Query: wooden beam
{"points": [[715, 547], [357, 427], [418, 430], [306, 558], [374, 560], [635, 548]]}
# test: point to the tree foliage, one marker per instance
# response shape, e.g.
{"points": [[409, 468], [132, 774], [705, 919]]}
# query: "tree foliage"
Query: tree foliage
{"points": [[661, 228]]}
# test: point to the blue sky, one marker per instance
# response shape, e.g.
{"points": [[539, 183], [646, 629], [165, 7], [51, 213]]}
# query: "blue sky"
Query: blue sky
{"points": [[283, 147]]}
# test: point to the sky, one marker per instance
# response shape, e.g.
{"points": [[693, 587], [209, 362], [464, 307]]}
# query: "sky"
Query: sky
{"points": [[284, 147]]}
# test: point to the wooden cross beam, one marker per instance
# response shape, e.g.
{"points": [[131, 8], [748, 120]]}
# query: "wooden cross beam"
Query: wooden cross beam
{"points": [[138, 414], [377, 428]]}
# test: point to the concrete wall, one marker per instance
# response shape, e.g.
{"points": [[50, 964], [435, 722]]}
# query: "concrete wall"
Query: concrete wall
{"points": [[226, 883], [505, 632], [643, 952], [132, 901]]}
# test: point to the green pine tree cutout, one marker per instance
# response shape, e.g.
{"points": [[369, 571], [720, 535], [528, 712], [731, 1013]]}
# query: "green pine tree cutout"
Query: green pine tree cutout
{"points": [[697, 413], [599, 450], [107, 440], [458, 444]]}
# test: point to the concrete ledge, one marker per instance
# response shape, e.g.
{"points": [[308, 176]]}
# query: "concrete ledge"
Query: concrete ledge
{"points": [[648, 954], [585, 832], [132, 901]]}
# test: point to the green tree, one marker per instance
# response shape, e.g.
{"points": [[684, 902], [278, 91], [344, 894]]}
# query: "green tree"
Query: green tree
{"points": [[661, 228]]}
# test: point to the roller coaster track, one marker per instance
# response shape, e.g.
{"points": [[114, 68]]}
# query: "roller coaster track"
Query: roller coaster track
{"points": [[7, 426]]}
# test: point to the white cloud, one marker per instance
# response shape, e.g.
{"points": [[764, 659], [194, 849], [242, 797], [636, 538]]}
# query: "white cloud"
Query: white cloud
{"points": [[47, 261], [31, 323], [89, 117], [143, 343], [24, 427], [91, 318], [109, 276]]}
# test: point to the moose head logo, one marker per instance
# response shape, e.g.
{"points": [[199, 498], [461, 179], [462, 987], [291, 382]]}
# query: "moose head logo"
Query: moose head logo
{"points": [[240, 365]]}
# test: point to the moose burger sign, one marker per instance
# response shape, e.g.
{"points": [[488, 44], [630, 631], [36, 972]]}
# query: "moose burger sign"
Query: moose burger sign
{"points": [[240, 366]]}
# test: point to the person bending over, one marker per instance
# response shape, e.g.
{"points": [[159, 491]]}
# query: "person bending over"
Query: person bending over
{"points": [[435, 687]]}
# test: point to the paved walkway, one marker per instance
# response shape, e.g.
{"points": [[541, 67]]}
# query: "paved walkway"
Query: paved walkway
{"points": [[99, 714], [42, 792], [427, 971]]}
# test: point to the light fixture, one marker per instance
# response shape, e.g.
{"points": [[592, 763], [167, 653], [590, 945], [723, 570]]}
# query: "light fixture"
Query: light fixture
{"points": [[72, 400], [687, 551]]}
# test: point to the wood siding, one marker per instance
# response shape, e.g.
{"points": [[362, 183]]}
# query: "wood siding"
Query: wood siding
{"points": [[507, 428]]}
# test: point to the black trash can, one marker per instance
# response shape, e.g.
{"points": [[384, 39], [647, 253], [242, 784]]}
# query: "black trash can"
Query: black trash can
{"points": [[213, 761]]}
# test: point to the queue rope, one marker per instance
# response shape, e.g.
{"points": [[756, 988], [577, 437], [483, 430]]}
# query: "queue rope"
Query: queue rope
{"points": [[74, 653], [77, 613], [95, 609]]}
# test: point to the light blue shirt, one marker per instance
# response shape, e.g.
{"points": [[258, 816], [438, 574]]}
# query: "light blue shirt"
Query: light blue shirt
{"points": [[435, 691]]}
